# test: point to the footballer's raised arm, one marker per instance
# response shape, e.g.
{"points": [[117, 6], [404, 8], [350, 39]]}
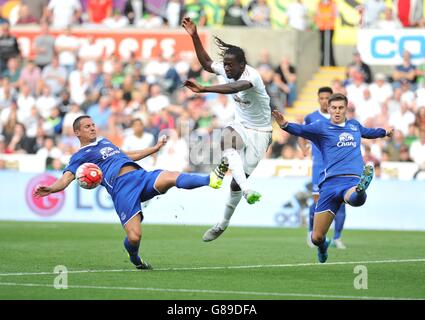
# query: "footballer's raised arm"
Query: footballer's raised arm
{"points": [[203, 57], [59, 185], [140, 154], [228, 88]]}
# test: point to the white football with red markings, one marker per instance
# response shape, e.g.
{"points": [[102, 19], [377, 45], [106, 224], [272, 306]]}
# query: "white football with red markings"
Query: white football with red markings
{"points": [[89, 175]]}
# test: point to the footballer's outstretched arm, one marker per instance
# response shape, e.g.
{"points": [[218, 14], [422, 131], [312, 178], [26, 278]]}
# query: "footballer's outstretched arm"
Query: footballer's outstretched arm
{"points": [[59, 185], [310, 132], [203, 57], [140, 154], [227, 88]]}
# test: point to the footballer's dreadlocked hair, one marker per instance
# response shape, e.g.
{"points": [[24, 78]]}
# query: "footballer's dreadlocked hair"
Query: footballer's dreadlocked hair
{"points": [[230, 49]]}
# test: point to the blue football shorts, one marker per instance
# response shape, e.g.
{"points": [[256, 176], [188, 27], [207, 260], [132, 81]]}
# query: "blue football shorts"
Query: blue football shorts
{"points": [[332, 193], [130, 190]]}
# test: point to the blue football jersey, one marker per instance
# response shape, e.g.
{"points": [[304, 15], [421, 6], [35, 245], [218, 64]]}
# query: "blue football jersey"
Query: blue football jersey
{"points": [[106, 155], [316, 156], [338, 144]]}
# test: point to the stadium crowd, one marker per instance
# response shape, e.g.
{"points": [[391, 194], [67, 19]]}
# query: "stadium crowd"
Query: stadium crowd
{"points": [[133, 101]]}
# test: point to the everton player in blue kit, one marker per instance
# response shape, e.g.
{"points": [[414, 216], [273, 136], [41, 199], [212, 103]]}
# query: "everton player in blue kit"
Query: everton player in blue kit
{"points": [[317, 170], [126, 182], [345, 179]]}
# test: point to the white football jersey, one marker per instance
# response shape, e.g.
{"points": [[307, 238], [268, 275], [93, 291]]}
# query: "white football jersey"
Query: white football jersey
{"points": [[253, 105]]}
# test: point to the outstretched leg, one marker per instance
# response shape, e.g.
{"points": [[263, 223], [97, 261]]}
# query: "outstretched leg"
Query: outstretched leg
{"points": [[232, 144], [356, 196], [339, 226], [231, 204], [133, 228], [322, 223], [169, 179], [311, 220]]}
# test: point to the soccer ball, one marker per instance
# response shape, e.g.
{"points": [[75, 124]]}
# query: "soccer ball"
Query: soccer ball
{"points": [[89, 175]]}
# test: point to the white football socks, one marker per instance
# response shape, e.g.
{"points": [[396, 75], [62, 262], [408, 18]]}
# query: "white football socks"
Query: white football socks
{"points": [[232, 202], [236, 166]]}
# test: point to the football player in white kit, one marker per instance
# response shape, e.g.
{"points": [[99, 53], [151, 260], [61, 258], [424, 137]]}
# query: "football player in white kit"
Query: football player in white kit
{"points": [[244, 141]]}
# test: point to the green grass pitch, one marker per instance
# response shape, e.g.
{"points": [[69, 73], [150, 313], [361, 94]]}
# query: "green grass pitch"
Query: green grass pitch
{"points": [[244, 263]]}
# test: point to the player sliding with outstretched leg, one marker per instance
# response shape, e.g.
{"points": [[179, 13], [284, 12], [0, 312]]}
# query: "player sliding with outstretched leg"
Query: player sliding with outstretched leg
{"points": [[127, 182], [345, 178], [244, 141]]}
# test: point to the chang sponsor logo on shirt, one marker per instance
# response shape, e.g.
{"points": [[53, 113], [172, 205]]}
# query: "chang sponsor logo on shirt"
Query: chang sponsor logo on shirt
{"points": [[108, 152], [346, 140]]}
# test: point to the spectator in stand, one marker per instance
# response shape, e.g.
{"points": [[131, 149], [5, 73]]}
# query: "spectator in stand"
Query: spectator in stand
{"points": [[297, 15], [223, 108], [45, 102], [19, 142], [116, 21], [25, 102], [407, 94], [368, 156], [381, 90], [367, 107], [98, 10], [281, 139], [67, 46], [264, 60], [90, 52], [134, 10], [355, 90], [138, 139], [409, 12], [420, 75], [13, 72], [31, 75], [402, 119], [25, 16], [405, 71], [100, 113], [52, 125], [174, 13], [338, 87], [260, 13], [412, 135], [74, 113], [278, 97], [64, 13], [7, 95], [358, 64], [420, 118], [370, 12], [326, 14], [234, 14], [44, 46], [195, 11], [394, 103], [37, 8], [404, 154], [286, 79], [417, 150], [55, 76], [157, 100], [175, 154], [9, 47], [390, 21], [49, 150]]}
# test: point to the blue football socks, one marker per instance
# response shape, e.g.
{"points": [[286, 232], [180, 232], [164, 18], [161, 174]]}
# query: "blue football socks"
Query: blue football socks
{"points": [[311, 217], [192, 181], [357, 199], [339, 222], [133, 251]]}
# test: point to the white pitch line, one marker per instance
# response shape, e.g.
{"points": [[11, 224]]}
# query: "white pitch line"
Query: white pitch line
{"points": [[251, 293], [221, 267]]}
